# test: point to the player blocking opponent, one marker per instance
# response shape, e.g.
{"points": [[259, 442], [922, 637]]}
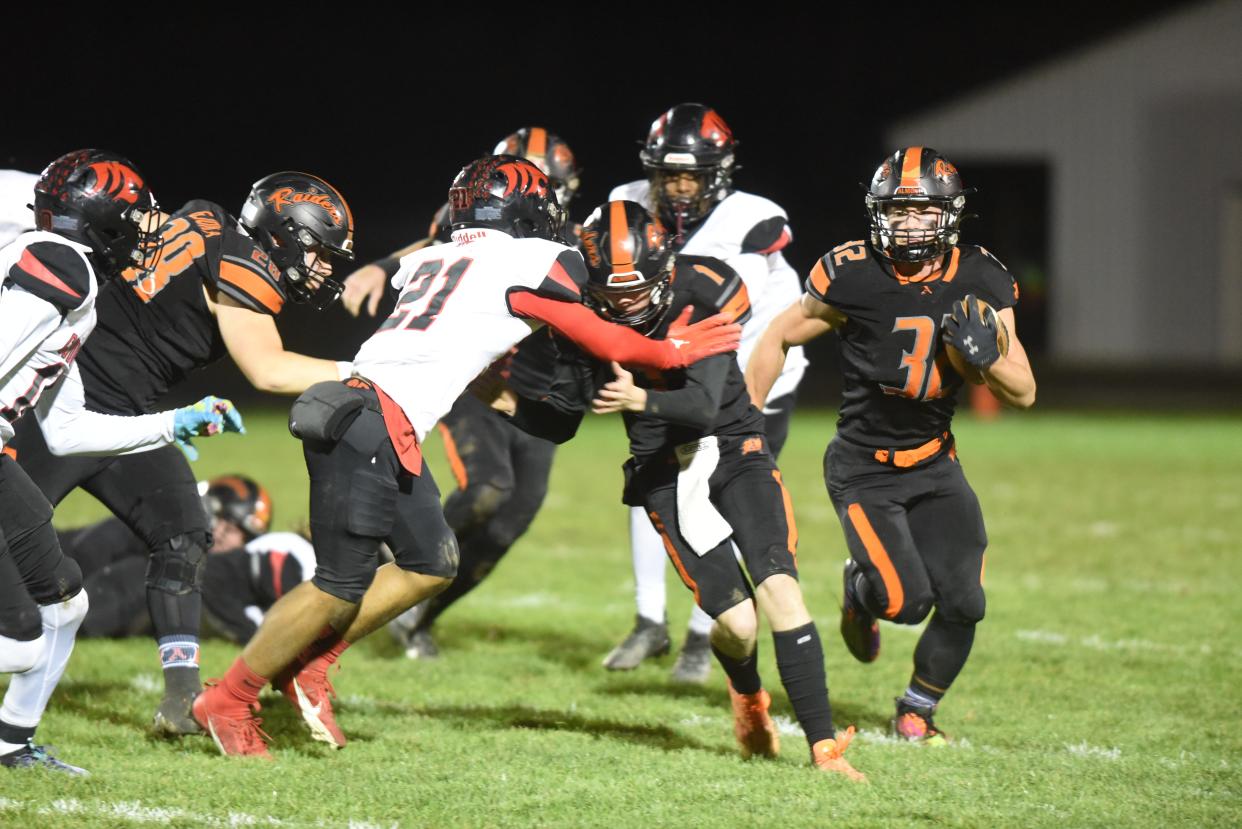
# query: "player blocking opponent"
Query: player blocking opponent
{"points": [[912, 523], [461, 306]]}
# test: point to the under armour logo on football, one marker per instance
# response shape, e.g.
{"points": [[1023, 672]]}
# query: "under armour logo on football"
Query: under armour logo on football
{"points": [[969, 342]]}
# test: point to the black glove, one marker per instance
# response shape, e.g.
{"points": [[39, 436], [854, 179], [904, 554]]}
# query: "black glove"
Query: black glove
{"points": [[973, 335]]}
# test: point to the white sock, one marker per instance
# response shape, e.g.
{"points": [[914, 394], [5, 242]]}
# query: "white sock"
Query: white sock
{"points": [[700, 622], [649, 560], [26, 699]]}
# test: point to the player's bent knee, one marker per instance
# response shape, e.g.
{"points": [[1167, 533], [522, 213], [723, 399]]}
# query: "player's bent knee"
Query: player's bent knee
{"points": [[17, 656], [177, 565], [738, 623], [350, 590], [67, 614], [965, 609], [913, 610], [485, 500]]}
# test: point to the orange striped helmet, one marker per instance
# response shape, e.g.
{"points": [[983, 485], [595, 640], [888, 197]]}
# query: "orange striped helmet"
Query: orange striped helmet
{"points": [[629, 258], [915, 176]]}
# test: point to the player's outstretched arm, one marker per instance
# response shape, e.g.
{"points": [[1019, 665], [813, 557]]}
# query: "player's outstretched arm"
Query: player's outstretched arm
{"points": [[255, 345], [366, 286], [685, 343], [798, 324], [1010, 378]]}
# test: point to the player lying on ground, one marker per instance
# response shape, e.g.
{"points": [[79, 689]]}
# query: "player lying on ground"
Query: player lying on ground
{"points": [[213, 289], [904, 305], [247, 569], [462, 306], [90, 210], [700, 469]]}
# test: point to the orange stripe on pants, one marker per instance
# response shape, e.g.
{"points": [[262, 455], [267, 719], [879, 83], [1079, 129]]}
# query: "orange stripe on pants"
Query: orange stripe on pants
{"points": [[879, 557], [792, 541], [454, 458], [676, 559]]}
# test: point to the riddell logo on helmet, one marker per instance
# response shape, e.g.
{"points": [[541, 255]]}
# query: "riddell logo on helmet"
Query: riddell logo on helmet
{"points": [[287, 195], [118, 181]]}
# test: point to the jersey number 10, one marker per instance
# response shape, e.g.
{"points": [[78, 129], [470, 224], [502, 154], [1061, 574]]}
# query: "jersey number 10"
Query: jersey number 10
{"points": [[412, 313]]}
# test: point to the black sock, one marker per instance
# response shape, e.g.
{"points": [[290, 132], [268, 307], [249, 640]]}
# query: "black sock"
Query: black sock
{"points": [[940, 656], [16, 734], [800, 659], [743, 673]]}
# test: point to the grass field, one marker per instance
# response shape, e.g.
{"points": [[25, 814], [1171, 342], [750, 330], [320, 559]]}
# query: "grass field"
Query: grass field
{"points": [[1105, 688]]}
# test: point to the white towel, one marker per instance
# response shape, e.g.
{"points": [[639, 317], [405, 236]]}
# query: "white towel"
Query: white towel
{"points": [[701, 525]]}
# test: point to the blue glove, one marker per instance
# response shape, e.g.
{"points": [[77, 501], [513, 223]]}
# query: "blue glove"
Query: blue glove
{"points": [[209, 416]]}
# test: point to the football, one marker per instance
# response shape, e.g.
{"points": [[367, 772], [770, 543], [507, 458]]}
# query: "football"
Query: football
{"points": [[968, 372]]}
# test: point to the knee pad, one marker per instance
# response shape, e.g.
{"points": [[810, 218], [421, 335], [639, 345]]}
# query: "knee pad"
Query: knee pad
{"points": [[964, 607], [474, 506], [20, 655], [913, 610], [176, 565], [67, 614]]}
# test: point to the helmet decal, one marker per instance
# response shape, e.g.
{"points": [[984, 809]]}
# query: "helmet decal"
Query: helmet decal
{"points": [[117, 180], [714, 129], [287, 195]]}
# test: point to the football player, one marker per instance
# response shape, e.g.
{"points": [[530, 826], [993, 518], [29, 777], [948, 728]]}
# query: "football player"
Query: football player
{"points": [[214, 287], [91, 208], [16, 189], [701, 470], [689, 159], [900, 301], [248, 568], [461, 306]]}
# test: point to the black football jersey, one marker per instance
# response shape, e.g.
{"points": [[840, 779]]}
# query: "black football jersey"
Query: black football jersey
{"points": [[900, 389], [154, 325]]}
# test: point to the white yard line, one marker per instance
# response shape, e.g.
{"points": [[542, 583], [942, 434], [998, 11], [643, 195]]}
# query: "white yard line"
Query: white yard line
{"points": [[1095, 642], [136, 812]]}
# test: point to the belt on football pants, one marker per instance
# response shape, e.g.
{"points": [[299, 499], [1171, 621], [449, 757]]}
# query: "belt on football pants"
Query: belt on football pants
{"points": [[905, 458]]}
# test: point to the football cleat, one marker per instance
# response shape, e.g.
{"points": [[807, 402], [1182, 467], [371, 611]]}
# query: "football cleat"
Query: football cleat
{"points": [[421, 645], [829, 755], [914, 723], [310, 692], [694, 663], [174, 718], [752, 726], [646, 640], [859, 629], [235, 732], [31, 756]]}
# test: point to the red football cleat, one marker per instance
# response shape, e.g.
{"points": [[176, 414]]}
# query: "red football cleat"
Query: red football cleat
{"points": [[829, 755], [752, 726], [310, 692], [235, 729]]}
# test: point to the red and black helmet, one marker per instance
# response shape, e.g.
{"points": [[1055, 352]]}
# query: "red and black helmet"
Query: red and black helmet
{"points": [[291, 214], [916, 176], [98, 199], [689, 138], [505, 193], [241, 501], [549, 153], [628, 257]]}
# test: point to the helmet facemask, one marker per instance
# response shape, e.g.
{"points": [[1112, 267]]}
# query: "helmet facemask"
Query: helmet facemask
{"points": [[633, 285], [915, 244], [682, 212]]}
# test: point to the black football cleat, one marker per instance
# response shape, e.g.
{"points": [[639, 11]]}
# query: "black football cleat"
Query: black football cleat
{"points": [[32, 756], [694, 662], [648, 639], [859, 628]]}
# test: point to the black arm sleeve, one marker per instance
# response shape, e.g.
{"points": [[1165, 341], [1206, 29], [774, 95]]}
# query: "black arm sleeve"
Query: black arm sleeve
{"points": [[543, 420], [698, 403]]}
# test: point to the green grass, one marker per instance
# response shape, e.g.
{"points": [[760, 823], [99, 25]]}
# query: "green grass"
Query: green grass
{"points": [[1104, 688]]}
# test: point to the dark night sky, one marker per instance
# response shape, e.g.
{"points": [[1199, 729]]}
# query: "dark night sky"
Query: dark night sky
{"points": [[388, 109]]}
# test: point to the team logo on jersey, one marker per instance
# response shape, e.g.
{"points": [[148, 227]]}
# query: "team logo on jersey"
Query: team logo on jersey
{"points": [[714, 129], [287, 195], [944, 171], [116, 180]]}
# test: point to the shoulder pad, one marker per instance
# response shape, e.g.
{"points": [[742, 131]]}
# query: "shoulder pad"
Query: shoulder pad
{"points": [[998, 284], [635, 191], [247, 275], [712, 287], [768, 236], [54, 272], [566, 279], [833, 265], [208, 218]]}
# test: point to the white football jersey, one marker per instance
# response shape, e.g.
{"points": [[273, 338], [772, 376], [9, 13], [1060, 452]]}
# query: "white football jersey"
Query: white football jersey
{"points": [[38, 340], [772, 284], [16, 194], [288, 543], [452, 318]]}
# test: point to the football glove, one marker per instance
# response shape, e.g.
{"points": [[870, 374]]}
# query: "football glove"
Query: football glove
{"points": [[688, 342], [209, 416], [973, 335]]}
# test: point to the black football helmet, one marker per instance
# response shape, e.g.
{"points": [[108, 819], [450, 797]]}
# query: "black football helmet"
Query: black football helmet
{"points": [[98, 199], [549, 153], [628, 257], [291, 214], [241, 501], [918, 176], [505, 193], [689, 138]]}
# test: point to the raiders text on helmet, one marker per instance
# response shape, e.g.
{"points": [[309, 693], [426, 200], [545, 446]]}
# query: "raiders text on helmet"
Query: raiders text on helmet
{"points": [[628, 260], [98, 199], [549, 153], [291, 214], [694, 139], [915, 176], [506, 193]]}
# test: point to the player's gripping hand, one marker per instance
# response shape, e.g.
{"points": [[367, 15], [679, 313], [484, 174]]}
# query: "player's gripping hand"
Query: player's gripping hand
{"points": [[688, 343], [209, 416], [973, 334], [364, 286], [620, 395]]}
